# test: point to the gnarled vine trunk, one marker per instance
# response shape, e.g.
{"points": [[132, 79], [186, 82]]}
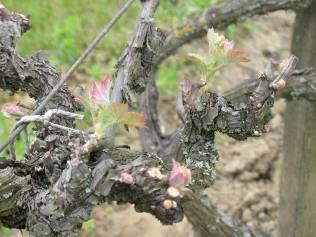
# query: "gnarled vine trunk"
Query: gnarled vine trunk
{"points": [[65, 174]]}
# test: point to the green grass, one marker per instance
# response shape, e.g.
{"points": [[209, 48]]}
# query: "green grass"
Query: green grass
{"points": [[64, 28], [5, 129]]}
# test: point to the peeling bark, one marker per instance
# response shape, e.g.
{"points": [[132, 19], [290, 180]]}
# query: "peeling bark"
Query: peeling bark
{"points": [[61, 209], [135, 66], [14, 193]]}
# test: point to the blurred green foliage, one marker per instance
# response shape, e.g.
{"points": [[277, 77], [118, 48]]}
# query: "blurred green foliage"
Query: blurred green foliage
{"points": [[168, 80], [5, 129], [88, 227], [5, 230], [64, 28]]}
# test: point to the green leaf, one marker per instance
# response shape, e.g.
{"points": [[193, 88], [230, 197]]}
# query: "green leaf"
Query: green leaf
{"points": [[5, 128], [197, 58], [115, 113], [221, 53], [118, 113], [230, 31], [6, 230], [88, 226]]}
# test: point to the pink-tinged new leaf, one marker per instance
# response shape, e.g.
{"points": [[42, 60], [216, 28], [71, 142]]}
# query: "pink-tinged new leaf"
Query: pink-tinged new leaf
{"points": [[11, 109], [228, 46], [99, 92], [127, 178], [190, 87], [180, 176], [187, 87]]}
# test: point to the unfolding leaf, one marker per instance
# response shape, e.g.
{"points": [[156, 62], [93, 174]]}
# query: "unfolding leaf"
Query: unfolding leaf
{"points": [[180, 176], [88, 226], [187, 87], [99, 92], [118, 113], [214, 39], [228, 46], [115, 113], [221, 53], [134, 119], [198, 59]]}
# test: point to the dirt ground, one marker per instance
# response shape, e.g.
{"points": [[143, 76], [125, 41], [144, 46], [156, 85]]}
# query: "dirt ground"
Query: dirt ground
{"points": [[248, 172]]}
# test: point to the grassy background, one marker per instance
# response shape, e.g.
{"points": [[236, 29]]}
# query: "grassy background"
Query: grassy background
{"points": [[64, 28]]}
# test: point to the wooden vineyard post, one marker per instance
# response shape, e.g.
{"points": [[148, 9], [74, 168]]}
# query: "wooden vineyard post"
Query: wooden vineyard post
{"points": [[298, 175]]}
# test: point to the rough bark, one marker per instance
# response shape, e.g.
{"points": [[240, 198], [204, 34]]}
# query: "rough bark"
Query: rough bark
{"points": [[298, 177], [210, 113], [55, 188], [218, 17], [135, 64], [154, 139], [59, 210], [193, 144], [210, 222], [64, 175], [301, 85]]}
